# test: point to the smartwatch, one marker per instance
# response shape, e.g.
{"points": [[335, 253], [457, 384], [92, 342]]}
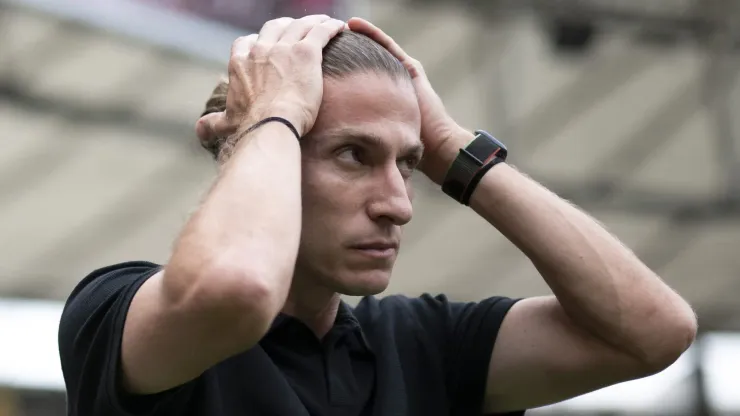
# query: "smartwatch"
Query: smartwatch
{"points": [[473, 161]]}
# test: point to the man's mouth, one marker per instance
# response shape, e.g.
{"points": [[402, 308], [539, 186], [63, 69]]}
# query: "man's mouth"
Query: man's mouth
{"points": [[377, 249]]}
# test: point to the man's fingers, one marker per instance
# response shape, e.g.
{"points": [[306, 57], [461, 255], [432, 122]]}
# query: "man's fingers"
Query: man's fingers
{"points": [[273, 30], [211, 126], [368, 29], [243, 45], [300, 28], [321, 34]]}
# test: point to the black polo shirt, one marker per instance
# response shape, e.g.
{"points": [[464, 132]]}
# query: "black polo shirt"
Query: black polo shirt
{"points": [[394, 356]]}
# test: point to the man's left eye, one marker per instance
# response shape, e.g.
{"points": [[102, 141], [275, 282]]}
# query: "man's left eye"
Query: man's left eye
{"points": [[408, 165]]}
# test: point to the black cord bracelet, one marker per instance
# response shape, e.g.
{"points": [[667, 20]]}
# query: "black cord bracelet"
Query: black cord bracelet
{"points": [[465, 198], [277, 119]]}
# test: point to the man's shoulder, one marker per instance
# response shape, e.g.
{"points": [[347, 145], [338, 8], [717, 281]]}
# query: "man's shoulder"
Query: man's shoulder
{"points": [[90, 333]]}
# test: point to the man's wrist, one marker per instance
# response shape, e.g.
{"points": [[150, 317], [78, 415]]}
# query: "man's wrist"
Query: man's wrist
{"points": [[280, 110], [276, 133], [447, 153]]}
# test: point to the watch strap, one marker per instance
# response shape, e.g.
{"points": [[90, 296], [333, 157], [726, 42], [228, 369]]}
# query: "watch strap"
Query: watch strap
{"points": [[484, 151], [465, 199]]}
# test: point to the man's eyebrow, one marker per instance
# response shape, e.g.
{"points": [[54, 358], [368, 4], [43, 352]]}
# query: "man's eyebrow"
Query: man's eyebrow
{"points": [[371, 140]]}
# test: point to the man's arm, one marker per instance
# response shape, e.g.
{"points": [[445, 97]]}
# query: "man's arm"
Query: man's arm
{"points": [[611, 320], [229, 272], [232, 265]]}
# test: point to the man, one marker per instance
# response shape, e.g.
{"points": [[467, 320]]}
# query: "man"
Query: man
{"points": [[315, 154]]}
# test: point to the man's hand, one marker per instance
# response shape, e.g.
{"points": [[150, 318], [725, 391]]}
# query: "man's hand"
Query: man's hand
{"points": [[275, 73], [439, 132]]}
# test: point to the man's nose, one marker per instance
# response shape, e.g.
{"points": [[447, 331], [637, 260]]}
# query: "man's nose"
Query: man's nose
{"points": [[391, 199]]}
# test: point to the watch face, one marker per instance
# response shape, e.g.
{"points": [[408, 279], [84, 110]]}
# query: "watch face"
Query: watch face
{"points": [[486, 145], [491, 138]]}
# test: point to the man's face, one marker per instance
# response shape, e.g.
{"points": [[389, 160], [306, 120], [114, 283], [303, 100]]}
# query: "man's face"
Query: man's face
{"points": [[357, 165]]}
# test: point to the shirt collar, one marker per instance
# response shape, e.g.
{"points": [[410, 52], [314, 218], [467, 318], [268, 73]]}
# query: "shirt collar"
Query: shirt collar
{"points": [[344, 321]]}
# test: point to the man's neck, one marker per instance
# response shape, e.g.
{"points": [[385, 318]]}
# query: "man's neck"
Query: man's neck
{"points": [[314, 306]]}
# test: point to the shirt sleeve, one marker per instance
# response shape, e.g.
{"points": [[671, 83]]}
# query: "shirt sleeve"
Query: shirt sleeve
{"points": [[90, 334], [466, 333]]}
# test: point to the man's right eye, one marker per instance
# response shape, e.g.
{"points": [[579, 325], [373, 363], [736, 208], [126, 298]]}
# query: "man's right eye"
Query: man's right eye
{"points": [[351, 154]]}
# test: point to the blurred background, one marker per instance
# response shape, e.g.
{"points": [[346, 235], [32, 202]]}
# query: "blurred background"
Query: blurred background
{"points": [[626, 107]]}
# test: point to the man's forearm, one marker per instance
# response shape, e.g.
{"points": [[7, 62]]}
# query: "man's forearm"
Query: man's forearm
{"points": [[601, 284], [248, 228]]}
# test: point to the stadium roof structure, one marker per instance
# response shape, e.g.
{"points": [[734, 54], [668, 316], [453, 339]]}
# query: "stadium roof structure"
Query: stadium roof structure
{"points": [[99, 163]]}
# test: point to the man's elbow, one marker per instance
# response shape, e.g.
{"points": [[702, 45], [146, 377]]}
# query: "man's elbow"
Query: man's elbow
{"points": [[239, 291], [673, 335], [233, 295]]}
